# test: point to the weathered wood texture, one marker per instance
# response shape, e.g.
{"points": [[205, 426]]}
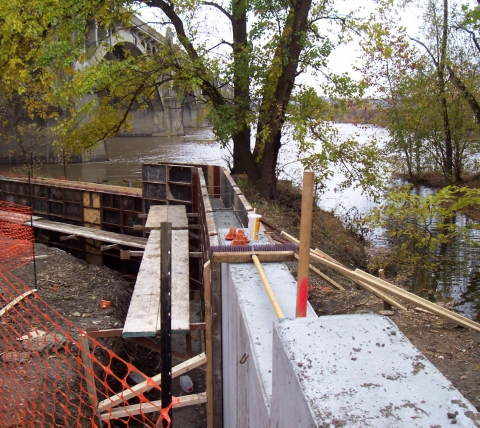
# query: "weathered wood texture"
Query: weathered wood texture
{"points": [[175, 214], [143, 318], [87, 232]]}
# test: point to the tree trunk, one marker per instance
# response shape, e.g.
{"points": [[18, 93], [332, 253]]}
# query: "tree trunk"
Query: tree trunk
{"points": [[243, 161], [278, 89], [448, 153]]}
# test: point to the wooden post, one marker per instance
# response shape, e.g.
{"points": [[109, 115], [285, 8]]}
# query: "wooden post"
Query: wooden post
{"points": [[89, 377], [209, 348], [166, 316], [304, 250], [386, 306], [217, 370]]}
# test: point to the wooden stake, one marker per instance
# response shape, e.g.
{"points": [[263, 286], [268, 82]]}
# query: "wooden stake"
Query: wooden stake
{"points": [[304, 246], [209, 348], [89, 376], [268, 289], [386, 306]]}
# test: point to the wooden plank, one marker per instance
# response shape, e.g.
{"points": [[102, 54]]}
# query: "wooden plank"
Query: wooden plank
{"points": [[16, 301], [143, 317], [145, 386], [246, 257], [402, 294], [216, 287], [422, 303], [208, 322], [153, 406], [95, 332], [87, 232], [322, 275], [175, 214]]}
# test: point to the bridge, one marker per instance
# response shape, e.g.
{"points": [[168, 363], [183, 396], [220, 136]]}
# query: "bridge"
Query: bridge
{"points": [[168, 113]]}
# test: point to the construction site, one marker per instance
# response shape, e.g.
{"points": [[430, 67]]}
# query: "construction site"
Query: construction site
{"points": [[205, 320]]}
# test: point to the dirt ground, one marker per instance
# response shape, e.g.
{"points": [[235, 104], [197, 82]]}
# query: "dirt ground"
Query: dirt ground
{"points": [[75, 289]]}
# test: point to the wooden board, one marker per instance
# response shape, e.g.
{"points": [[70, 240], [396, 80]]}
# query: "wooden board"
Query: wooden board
{"points": [[87, 232], [143, 317], [175, 214]]}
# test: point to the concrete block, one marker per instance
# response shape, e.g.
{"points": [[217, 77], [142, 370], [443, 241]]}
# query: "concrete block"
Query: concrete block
{"points": [[358, 371]]}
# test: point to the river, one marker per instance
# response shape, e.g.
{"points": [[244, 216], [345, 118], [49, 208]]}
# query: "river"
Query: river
{"points": [[458, 278]]}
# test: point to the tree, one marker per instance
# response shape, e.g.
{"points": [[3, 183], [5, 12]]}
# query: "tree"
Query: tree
{"points": [[430, 123], [271, 43]]}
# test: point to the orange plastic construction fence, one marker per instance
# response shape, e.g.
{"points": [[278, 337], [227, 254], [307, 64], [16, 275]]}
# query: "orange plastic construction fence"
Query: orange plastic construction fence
{"points": [[52, 374], [16, 236]]}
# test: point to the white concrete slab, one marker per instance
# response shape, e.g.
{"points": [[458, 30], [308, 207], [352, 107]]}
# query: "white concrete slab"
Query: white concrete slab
{"points": [[358, 371], [247, 311]]}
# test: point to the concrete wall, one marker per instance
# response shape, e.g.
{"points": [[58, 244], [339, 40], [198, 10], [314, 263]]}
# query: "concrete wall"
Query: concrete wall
{"points": [[335, 371]]}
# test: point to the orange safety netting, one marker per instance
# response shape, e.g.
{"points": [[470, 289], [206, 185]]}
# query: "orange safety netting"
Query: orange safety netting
{"points": [[16, 236], [52, 374]]}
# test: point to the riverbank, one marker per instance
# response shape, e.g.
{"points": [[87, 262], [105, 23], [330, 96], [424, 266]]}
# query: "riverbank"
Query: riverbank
{"points": [[455, 351]]}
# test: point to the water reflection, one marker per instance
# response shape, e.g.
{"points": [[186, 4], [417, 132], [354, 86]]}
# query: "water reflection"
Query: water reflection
{"points": [[128, 153]]}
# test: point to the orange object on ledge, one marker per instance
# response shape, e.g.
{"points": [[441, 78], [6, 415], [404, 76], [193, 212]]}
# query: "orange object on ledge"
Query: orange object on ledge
{"points": [[231, 233], [240, 238]]}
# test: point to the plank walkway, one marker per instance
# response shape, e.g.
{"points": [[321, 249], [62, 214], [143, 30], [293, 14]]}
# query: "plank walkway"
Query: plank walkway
{"points": [[143, 317], [88, 232]]}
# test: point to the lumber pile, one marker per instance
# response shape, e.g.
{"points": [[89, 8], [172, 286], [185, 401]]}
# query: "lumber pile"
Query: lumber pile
{"points": [[385, 290]]}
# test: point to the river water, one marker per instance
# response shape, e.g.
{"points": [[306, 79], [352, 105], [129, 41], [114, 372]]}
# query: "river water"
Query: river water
{"points": [[458, 279]]}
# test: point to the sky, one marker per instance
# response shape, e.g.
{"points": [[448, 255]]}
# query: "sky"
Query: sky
{"points": [[343, 58]]}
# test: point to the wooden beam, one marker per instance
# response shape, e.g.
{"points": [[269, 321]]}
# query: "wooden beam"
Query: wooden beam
{"points": [[95, 332], [88, 232], [401, 294], [217, 374], [195, 254], [126, 254], [208, 337], [268, 288], [143, 317], [322, 275], [246, 257], [153, 406], [197, 326], [68, 238], [419, 301], [142, 387], [174, 214], [16, 301], [109, 247]]}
